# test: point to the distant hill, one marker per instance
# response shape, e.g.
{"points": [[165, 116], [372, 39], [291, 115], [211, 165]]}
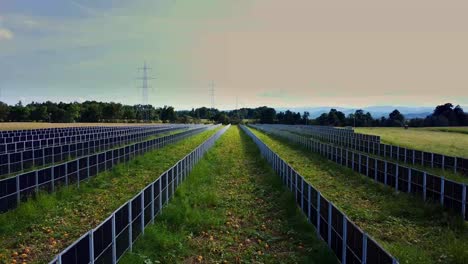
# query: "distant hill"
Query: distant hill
{"points": [[376, 111]]}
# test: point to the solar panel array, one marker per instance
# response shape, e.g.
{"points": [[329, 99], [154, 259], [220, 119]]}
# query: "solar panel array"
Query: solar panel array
{"points": [[331, 133], [349, 243], [36, 153], [397, 153], [16, 189], [450, 194], [26, 142], [108, 242]]}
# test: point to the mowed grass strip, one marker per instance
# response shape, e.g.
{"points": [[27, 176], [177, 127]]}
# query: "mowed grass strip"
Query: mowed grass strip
{"points": [[231, 209], [411, 230], [426, 139], [45, 225]]}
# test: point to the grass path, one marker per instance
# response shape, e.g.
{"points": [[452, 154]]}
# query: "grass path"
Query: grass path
{"points": [[411, 230], [231, 209], [425, 139], [42, 227]]}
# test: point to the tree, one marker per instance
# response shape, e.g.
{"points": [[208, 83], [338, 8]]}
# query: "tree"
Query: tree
{"points": [[336, 118], [446, 115], [266, 115], [416, 122], [112, 111], [72, 112], [4, 111], [19, 113], [222, 118], [395, 119], [128, 113], [461, 117], [305, 118], [168, 114], [39, 113], [359, 119], [184, 119], [444, 109], [91, 112], [322, 120]]}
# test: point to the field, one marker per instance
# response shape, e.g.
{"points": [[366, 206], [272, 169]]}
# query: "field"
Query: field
{"points": [[38, 125], [232, 209], [448, 141], [411, 230]]}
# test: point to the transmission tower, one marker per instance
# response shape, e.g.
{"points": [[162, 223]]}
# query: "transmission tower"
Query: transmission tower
{"points": [[212, 94], [237, 107], [145, 90]]}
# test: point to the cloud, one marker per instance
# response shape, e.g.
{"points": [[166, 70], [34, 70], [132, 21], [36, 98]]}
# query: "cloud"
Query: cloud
{"points": [[5, 34], [30, 22]]}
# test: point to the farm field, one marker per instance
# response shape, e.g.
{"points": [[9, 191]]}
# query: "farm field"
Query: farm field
{"points": [[39, 125], [231, 209], [45, 225], [462, 130], [448, 141], [411, 230]]}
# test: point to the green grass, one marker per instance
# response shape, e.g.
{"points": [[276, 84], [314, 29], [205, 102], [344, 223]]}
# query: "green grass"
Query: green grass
{"points": [[411, 230], [437, 140], [231, 209], [47, 224], [462, 130]]}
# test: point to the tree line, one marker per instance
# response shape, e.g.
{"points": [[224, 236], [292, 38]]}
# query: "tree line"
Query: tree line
{"points": [[92, 111], [443, 115], [89, 111]]}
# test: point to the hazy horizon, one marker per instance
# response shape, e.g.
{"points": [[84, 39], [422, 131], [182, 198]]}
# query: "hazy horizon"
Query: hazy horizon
{"points": [[264, 52]]}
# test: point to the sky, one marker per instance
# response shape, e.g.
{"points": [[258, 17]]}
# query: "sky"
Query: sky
{"points": [[257, 52]]}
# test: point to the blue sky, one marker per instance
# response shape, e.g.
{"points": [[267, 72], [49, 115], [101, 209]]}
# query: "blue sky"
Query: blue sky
{"points": [[264, 52]]}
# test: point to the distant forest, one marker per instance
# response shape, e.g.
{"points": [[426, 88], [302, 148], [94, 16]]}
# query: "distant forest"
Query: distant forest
{"points": [[91, 111]]}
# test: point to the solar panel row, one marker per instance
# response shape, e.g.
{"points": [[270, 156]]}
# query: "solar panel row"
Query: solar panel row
{"points": [[50, 132], [16, 189], [20, 161], [108, 242], [57, 138], [349, 243], [402, 154], [451, 195]]}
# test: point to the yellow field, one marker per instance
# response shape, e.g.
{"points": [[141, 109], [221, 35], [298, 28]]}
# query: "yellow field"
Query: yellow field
{"points": [[448, 141], [33, 125]]}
